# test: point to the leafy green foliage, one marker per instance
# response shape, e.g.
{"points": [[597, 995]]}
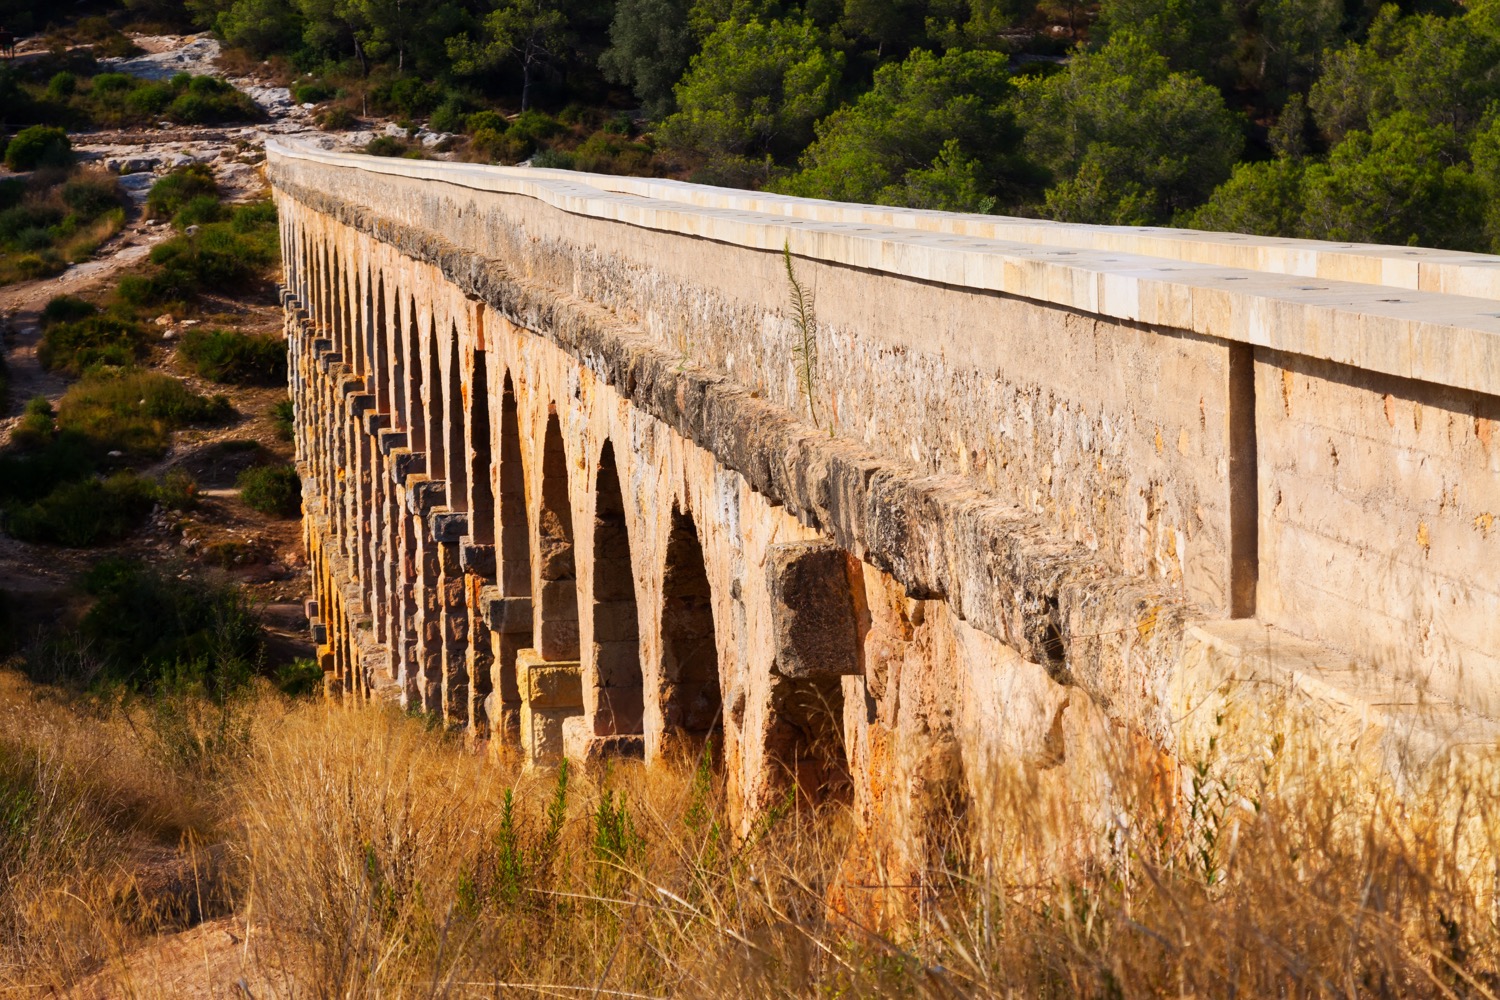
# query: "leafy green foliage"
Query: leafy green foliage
{"points": [[103, 339], [173, 192], [154, 629], [933, 132], [752, 95], [650, 46], [235, 358], [55, 216], [1127, 140], [39, 146], [274, 490], [85, 512]]}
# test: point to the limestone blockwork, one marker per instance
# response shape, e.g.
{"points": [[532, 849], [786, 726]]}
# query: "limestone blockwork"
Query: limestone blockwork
{"points": [[562, 489]]}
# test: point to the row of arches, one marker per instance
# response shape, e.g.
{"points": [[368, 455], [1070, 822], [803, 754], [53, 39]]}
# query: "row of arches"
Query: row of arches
{"points": [[495, 545]]}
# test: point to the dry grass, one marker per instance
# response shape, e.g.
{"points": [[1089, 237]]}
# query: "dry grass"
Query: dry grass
{"points": [[377, 857]]}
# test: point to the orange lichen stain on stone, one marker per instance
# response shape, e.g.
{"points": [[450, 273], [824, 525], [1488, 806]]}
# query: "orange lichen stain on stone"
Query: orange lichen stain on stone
{"points": [[1182, 442], [1390, 410], [1286, 391], [1484, 430], [1158, 441], [1424, 537], [1416, 416], [1484, 522]]}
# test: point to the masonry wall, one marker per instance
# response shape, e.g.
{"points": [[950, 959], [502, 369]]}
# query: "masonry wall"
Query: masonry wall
{"points": [[1017, 524]]}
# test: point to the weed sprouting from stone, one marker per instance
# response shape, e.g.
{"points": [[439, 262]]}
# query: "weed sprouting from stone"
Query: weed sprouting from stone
{"points": [[805, 350]]}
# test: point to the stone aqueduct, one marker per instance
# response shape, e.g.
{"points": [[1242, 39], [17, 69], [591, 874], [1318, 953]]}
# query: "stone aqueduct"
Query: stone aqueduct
{"points": [[565, 486]]}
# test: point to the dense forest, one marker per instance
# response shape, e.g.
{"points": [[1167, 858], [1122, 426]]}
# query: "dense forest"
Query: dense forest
{"points": [[1331, 119]]}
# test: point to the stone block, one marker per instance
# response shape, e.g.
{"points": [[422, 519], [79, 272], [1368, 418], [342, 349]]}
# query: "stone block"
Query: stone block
{"points": [[388, 441], [448, 525], [505, 615], [558, 640], [319, 633], [310, 609], [616, 622], [477, 558], [620, 710], [618, 664], [406, 463], [549, 684], [812, 611], [560, 600], [424, 495]]}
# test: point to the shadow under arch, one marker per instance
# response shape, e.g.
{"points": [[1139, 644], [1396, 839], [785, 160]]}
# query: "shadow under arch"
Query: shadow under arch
{"points": [[617, 640], [692, 702]]}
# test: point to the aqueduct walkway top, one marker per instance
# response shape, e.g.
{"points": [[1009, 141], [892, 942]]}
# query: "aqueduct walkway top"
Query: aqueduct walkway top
{"points": [[566, 481]]}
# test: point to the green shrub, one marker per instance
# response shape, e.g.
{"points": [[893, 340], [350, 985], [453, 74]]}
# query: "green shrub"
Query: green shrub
{"points": [[12, 190], [155, 630], [235, 358], [91, 194], [274, 490], [75, 347], [39, 146], [300, 678], [337, 119], [66, 309], [555, 159], [113, 83], [177, 490], [34, 429], [134, 411], [311, 92], [149, 100], [449, 116], [62, 86], [385, 145], [535, 126], [85, 512], [486, 121], [255, 215], [200, 211], [283, 418], [169, 195]]}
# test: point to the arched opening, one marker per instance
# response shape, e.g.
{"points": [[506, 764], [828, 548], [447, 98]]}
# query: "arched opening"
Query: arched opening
{"points": [[559, 584], [412, 392], [432, 381], [617, 638], [515, 541], [453, 420], [691, 700], [482, 515]]}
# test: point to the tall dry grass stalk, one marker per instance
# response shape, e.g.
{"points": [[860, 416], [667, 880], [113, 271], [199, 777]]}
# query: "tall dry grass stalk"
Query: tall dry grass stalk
{"points": [[375, 856]]}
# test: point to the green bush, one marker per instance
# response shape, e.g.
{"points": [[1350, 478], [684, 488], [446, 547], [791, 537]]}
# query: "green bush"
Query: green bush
{"points": [[85, 512], [169, 195], [75, 347], [449, 116], [385, 145], [66, 309], [90, 194], [200, 211], [155, 630], [34, 429], [283, 417], [62, 86], [235, 358], [311, 92], [337, 119], [39, 146], [134, 411], [299, 679], [274, 490], [486, 121], [177, 490]]}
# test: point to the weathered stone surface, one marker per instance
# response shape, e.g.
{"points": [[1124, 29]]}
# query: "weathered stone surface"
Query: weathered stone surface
{"points": [[1036, 479], [812, 612]]}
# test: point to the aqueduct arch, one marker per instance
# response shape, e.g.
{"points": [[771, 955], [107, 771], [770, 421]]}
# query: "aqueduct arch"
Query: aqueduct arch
{"points": [[562, 486]]}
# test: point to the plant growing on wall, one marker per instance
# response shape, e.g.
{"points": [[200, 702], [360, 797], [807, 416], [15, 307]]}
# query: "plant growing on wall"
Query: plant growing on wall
{"points": [[805, 350]]}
